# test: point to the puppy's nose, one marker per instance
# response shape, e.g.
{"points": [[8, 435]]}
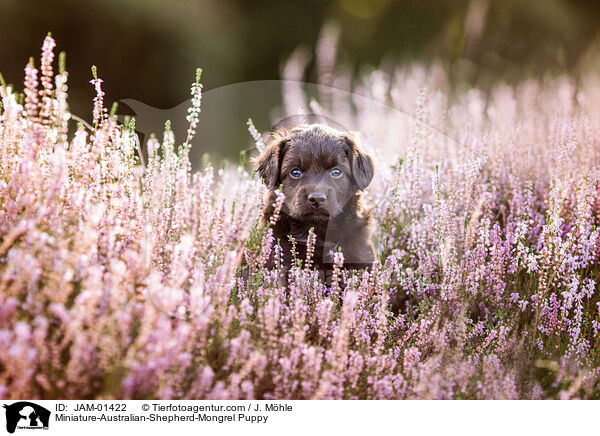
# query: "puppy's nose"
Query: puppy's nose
{"points": [[317, 198]]}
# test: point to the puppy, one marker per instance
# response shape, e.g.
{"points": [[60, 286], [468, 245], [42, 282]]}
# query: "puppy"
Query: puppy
{"points": [[321, 172]]}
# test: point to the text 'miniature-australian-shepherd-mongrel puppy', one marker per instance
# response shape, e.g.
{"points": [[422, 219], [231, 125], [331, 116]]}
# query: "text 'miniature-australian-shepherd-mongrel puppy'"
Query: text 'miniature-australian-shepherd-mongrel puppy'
{"points": [[321, 172]]}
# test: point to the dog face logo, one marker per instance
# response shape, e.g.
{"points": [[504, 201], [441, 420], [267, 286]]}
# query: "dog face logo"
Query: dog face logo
{"points": [[26, 415]]}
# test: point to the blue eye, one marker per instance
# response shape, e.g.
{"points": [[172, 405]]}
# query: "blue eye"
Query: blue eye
{"points": [[296, 173], [336, 172]]}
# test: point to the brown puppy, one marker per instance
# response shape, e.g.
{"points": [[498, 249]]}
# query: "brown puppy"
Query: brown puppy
{"points": [[321, 172]]}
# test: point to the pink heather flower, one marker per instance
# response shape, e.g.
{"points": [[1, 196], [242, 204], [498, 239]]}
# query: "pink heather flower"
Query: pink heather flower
{"points": [[523, 305], [279, 200], [194, 110], [99, 111], [46, 78], [310, 248], [31, 90], [260, 145]]}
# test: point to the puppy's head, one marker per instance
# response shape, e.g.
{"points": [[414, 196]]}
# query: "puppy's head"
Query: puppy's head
{"points": [[319, 168]]}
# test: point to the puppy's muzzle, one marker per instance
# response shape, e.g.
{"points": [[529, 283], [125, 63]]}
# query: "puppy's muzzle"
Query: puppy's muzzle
{"points": [[316, 199]]}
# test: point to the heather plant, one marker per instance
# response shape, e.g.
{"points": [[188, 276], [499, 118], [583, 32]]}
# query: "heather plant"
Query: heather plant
{"points": [[118, 276]]}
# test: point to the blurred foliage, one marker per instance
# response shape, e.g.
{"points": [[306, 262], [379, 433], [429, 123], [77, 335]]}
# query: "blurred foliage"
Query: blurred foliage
{"points": [[148, 49]]}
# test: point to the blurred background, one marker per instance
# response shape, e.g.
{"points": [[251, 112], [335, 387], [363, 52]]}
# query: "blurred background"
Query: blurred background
{"points": [[147, 50]]}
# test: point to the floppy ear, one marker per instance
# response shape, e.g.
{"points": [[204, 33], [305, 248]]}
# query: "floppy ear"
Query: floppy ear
{"points": [[361, 162], [269, 162]]}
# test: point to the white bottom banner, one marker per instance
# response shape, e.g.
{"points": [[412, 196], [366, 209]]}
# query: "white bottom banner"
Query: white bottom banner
{"points": [[297, 417]]}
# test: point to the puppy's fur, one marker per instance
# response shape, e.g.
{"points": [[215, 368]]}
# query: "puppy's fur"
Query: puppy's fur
{"points": [[322, 172]]}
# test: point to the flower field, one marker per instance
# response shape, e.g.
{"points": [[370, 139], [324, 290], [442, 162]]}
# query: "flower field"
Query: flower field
{"points": [[118, 273]]}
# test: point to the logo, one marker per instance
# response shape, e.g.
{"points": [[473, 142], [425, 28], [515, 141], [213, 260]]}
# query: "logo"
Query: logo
{"points": [[26, 415]]}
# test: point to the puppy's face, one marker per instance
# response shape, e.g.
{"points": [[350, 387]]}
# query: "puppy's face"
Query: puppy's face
{"points": [[320, 169]]}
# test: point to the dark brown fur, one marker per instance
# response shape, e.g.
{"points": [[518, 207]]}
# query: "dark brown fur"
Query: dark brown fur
{"points": [[320, 198]]}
